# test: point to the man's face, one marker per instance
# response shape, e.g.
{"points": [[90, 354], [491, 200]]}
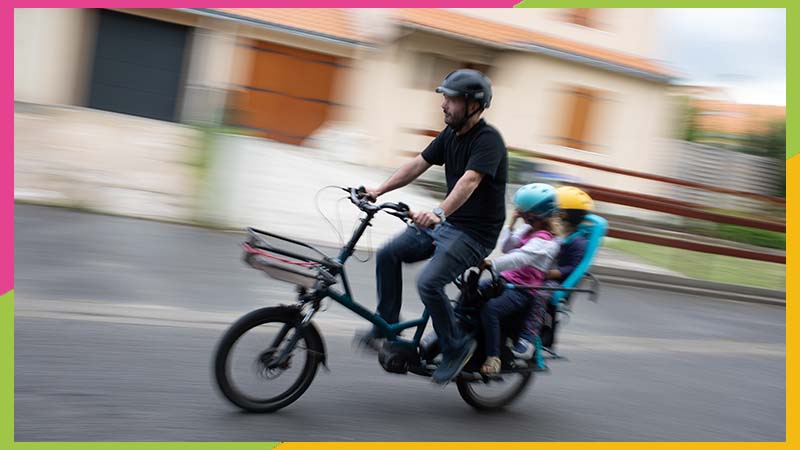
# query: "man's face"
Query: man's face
{"points": [[454, 109]]}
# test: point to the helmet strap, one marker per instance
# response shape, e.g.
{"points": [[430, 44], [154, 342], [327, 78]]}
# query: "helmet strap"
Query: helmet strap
{"points": [[466, 117]]}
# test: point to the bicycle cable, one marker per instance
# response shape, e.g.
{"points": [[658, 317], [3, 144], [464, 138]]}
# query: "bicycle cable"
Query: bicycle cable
{"points": [[340, 229], [369, 247], [319, 211]]}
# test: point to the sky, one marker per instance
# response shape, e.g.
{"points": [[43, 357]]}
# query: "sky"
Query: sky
{"points": [[743, 50]]}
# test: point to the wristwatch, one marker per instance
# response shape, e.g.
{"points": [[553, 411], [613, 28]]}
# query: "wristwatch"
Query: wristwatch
{"points": [[440, 212]]}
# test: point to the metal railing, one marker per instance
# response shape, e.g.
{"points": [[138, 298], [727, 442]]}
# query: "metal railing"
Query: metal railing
{"points": [[669, 206]]}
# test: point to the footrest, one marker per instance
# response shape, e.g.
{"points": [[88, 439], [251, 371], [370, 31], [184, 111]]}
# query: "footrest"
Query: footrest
{"points": [[552, 355]]}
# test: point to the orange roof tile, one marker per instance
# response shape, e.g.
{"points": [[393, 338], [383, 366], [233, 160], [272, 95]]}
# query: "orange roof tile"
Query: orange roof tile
{"points": [[737, 118], [339, 23], [336, 22], [497, 33]]}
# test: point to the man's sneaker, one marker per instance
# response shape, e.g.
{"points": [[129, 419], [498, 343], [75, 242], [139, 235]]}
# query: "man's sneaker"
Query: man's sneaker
{"points": [[451, 366], [523, 349], [368, 341]]}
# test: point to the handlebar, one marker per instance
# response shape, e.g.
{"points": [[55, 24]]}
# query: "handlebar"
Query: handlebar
{"points": [[358, 196]]}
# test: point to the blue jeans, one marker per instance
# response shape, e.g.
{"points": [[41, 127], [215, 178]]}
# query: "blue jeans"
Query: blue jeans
{"points": [[451, 252], [511, 302]]}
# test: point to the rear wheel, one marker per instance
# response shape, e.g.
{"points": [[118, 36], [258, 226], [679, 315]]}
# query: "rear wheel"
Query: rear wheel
{"points": [[248, 366], [493, 393]]}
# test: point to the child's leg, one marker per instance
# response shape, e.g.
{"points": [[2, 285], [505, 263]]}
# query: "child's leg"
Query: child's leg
{"points": [[510, 302], [534, 320]]}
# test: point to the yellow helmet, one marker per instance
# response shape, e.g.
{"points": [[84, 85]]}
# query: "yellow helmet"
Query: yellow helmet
{"points": [[570, 197]]}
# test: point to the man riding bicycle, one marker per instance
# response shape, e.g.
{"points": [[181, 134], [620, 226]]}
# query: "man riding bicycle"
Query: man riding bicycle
{"points": [[459, 233]]}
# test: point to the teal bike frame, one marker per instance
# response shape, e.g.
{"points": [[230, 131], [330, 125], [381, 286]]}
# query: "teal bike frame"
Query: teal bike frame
{"points": [[331, 268], [391, 331]]}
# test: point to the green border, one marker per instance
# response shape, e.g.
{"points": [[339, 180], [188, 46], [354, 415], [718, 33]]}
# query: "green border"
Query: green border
{"points": [[792, 18], [7, 367], [655, 4]]}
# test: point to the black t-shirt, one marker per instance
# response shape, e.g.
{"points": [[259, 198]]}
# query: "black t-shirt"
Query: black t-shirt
{"points": [[481, 149]]}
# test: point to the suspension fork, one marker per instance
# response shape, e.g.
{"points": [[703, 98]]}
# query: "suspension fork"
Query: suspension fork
{"points": [[298, 329]]}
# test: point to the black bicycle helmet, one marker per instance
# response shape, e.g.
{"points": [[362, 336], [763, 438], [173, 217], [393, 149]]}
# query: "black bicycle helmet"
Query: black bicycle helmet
{"points": [[468, 83]]}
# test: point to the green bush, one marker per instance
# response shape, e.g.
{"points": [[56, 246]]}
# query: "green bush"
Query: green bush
{"points": [[752, 236]]}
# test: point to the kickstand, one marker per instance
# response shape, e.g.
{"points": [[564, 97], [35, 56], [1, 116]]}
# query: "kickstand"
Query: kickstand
{"points": [[553, 354]]}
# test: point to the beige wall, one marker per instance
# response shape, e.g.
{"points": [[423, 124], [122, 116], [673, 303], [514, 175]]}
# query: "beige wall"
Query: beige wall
{"points": [[53, 50], [107, 162], [391, 88], [212, 57], [528, 108], [627, 30], [52, 54]]}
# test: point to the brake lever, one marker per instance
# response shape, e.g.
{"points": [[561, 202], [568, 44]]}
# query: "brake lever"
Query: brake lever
{"points": [[400, 216]]}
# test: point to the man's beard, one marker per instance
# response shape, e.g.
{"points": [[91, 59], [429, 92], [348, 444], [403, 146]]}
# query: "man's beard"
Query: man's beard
{"points": [[451, 119]]}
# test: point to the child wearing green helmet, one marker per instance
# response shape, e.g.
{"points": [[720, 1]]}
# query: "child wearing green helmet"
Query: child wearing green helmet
{"points": [[529, 251]]}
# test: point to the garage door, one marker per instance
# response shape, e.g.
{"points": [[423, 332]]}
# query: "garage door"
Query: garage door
{"points": [[289, 92], [138, 66]]}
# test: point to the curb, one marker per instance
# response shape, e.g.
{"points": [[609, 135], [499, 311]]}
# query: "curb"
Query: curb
{"points": [[624, 277]]}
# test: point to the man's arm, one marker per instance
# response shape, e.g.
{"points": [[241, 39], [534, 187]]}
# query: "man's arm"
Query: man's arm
{"points": [[463, 189], [407, 173]]}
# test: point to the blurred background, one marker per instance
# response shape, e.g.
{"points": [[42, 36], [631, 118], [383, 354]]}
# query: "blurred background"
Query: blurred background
{"points": [[208, 115], [673, 120]]}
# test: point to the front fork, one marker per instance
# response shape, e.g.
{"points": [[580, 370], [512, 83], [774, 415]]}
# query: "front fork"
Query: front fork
{"points": [[284, 356]]}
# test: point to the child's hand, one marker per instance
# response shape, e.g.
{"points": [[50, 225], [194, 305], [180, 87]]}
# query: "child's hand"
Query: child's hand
{"points": [[514, 217]]}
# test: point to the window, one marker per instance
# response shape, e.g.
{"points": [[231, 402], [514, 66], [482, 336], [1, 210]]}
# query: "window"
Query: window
{"points": [[580, 107]]}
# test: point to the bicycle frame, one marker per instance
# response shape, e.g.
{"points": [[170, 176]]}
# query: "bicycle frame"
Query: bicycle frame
{"points": [[391, 331], [336, 268]]}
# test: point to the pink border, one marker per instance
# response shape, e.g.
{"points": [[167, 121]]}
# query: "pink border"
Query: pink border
{"points": [[271, 4], [7, 151], [7, 80]]}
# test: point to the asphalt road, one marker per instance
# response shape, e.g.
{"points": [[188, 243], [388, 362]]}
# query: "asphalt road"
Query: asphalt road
{"points": [[116, 321]]}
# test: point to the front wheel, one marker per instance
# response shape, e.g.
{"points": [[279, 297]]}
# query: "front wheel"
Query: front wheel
{"points": [[248, 366], [494, 393]]}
